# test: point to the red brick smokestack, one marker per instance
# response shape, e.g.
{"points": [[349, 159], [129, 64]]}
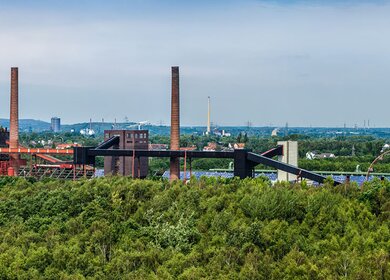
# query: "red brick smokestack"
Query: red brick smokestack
{"points": [[14, 117], [175, 124]]}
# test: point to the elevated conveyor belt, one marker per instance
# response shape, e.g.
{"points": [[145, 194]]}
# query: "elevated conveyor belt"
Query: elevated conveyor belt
{"points": [[109, 143], [259, 159], [244, 160], [49, 158], [278, 151], [35, 151]]}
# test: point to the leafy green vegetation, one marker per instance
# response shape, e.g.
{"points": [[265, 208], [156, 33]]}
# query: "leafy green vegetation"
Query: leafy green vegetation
{"points": [[119, 228], [346, 164]]}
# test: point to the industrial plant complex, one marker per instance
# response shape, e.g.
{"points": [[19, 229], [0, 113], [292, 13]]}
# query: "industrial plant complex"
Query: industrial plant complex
{"points": [[126, 152]]}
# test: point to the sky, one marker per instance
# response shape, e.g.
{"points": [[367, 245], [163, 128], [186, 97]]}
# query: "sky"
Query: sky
{"points": [[308, 63]]}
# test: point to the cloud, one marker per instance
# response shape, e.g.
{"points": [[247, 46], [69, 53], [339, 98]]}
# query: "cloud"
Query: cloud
{"points": [[267, 63]]}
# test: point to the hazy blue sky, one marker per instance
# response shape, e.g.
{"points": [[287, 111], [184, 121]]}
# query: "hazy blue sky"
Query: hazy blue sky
{"points": [[319, 63]]}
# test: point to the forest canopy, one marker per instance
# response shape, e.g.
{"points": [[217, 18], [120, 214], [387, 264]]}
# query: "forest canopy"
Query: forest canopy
{"points": [[120, 228]]}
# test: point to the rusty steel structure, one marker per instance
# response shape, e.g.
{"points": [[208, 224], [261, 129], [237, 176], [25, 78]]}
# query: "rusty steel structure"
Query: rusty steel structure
{"points": [[371, 167], [11, 162], [175, 124], [35, 151], [124, 150]]}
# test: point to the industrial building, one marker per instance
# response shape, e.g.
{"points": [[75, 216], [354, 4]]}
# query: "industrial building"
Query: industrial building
{"points": [[126, 166], [55, 124], [126, 151], [41, 162]]}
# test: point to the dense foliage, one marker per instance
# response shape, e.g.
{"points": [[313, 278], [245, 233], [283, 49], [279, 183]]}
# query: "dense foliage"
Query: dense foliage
{"points": [[119, 228], [347, 164]]}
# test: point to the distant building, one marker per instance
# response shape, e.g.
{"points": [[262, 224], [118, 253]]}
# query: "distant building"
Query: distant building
{"points": [[217, 132], [67, 146], [191, 148], [158, 147], [87, 132], [55, 124], [239, 146], [325, 155], [315, 155], [211, 147], [385, 147], [310, 155], [236, 146], [226, 134], [221, 133]]}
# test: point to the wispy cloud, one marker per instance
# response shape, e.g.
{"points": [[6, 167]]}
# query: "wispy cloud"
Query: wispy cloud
{"points": [[268, 61]]}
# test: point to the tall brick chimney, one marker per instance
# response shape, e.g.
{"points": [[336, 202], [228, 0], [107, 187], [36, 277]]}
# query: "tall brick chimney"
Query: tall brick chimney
{"points": [[14, 112], [175, 124], [14, 117]]}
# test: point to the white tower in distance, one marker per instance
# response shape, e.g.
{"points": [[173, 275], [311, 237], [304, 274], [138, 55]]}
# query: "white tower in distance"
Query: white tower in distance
{"points": [[208, 117]]}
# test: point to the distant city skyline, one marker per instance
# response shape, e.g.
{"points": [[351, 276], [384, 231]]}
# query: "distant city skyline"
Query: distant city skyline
{"points": [[281, 127], [308, 63]]}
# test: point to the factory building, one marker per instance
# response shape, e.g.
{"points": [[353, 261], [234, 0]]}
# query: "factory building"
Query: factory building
{"points": [[127, 166], [55, 124]]}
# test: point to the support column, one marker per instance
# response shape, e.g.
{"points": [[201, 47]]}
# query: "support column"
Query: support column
{"points": [[242, 167], [289, 156]]}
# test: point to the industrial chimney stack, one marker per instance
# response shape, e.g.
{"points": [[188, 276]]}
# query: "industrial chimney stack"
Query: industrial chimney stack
{"points": [[14, 117], [175, 124]]}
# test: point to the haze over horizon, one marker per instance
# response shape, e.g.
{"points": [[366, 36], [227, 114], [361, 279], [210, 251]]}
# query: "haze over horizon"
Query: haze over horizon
{"points": [[318, 63]]}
